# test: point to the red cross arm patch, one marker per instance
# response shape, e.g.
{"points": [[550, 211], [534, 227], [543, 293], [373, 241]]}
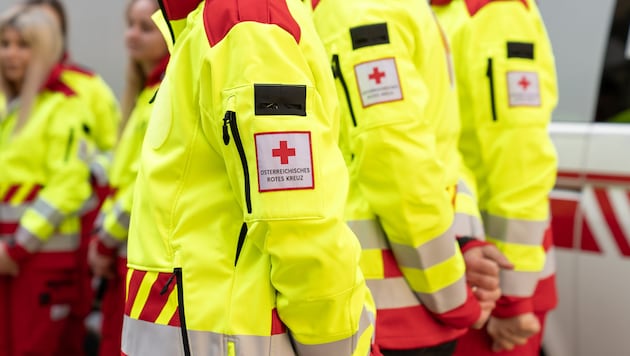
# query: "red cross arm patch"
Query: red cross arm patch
{"points": [[523, 89], [285, 161], [378, 81]]}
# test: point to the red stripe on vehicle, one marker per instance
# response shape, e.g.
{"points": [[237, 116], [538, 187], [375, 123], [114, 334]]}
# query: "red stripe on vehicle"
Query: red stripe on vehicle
{"points": [[588, 242], [609, 214]]}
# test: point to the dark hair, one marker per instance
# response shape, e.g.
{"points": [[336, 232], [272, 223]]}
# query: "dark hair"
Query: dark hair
{"points": [[58, 8]]}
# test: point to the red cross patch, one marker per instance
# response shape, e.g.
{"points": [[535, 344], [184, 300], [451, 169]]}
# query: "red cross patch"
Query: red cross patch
{"points": [[523, 89], [378, 81], [285, 161]]}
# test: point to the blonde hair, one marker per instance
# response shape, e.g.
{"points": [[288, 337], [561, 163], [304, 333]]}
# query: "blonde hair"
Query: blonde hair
{"points": [[42, 34], [134, 80]]}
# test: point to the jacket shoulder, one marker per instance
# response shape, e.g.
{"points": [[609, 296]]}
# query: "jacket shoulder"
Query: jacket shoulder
{"points": [[220, 16], [475, 5]]}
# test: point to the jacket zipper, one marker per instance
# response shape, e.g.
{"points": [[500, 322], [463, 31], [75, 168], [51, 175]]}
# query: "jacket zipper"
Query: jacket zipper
{"points": [[490, 75], [69, 145], [177, 275], [336, 68], [168, 21], [241, 241], [230, 119]]}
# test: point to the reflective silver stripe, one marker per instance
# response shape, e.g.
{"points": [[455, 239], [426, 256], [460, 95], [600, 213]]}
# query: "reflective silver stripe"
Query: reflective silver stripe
{"points": [[465, 225], [12, 213], [57, 242], [122, 217], [122, 250], [392, 293], [463, 188], [428, 254], [550, 264], [524, 232], [446, 299], [141, 338], [89, 204], [50, 213], [343, 347], [370, 234], [518, 284]]}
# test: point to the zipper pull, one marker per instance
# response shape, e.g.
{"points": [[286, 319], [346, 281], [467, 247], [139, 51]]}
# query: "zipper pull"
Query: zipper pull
{"points": [[168, 283], [226, 134]]}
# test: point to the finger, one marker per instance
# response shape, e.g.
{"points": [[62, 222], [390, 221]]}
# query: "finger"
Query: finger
{"points": [[502, 345], [492, 253], [487, 296], [482, 281]]}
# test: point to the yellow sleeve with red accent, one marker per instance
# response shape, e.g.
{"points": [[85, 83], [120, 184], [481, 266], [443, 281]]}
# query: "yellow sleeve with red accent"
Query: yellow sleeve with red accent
{"points": [[507, 81], [392, 132]]}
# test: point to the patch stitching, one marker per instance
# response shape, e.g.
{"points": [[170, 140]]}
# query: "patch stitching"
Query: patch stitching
{"points": [[284, 161]]}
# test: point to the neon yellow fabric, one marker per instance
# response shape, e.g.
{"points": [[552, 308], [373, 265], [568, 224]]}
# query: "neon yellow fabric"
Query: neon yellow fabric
{"points": [[200, 179], [45, 152]]}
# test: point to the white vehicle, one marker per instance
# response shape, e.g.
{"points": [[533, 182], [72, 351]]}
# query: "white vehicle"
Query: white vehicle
{"points": [[591, 201]]}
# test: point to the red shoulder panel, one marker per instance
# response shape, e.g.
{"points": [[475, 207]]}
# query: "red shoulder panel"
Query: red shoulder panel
{"points": [[315, 3], [179, 9], [475, 5], [440, 2], [221, 15], [54, 83]]}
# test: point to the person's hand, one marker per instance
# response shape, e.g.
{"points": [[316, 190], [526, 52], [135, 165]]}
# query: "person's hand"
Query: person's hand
{"points": [[509, 332], [102, 265], [486, 310], [482, 271], [7, 265]]}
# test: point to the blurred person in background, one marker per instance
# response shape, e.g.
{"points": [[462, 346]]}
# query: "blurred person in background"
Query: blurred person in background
{"points": [[102, 132], [507, 87], [148, 57], [43, 185]]}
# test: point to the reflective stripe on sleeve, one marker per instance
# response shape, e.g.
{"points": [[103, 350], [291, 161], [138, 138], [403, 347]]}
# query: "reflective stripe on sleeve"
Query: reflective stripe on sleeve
{"points": [[516, 231]]}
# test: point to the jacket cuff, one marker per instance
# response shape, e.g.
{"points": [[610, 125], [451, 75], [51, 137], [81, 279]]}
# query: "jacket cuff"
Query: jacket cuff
{"points": [[466, 243], [507, 307], [464, 316], [17, 253]]}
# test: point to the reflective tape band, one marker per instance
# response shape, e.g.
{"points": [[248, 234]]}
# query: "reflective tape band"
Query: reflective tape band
{"points": [[518, 284], [370, 234], [465, 225], [57, 242], [550, 264], [12, 213], [427, 255], [48, 212], [516, 231]]}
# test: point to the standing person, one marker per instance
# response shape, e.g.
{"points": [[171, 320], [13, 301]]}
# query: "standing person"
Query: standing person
{"points": [[43, 185], [237, 243], [399, 136], [101, 133], [507, 84], [108, 252]]}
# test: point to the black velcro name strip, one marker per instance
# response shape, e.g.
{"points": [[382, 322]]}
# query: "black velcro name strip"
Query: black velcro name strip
{"points": [[278, 99], [520, 50], [369, 35]]}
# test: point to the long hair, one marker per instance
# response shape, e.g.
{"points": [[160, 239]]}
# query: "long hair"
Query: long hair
{"points": [[134, 79], [43, 36]]}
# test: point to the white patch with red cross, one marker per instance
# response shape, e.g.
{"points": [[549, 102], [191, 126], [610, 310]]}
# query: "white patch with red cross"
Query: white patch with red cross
{"points": [[378, 81], [285, 161], [523, 88]]}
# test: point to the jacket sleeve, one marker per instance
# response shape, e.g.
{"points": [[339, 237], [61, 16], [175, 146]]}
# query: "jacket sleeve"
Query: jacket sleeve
{"points": [[279, 142], [508, 90], [67, 187], [399, 171]]}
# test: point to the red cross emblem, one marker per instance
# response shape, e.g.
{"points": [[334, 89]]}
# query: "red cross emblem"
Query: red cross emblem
{"points": [[524, 83], [376, 75], [284, 152]]}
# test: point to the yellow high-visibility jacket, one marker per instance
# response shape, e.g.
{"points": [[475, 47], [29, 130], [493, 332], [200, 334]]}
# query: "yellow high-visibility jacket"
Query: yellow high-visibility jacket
{"points": [[43, 184], [237, 243], [507, 89], [102, 129], [399, 137], [113, 224]]}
